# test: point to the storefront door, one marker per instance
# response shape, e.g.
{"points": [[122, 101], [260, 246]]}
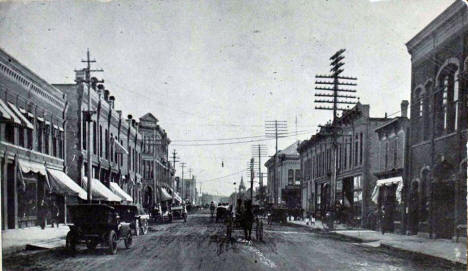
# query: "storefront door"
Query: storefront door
{"points": [[443, 207], [11, 190]]}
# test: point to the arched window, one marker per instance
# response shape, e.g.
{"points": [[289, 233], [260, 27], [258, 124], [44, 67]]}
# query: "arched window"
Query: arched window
{"points": [[420, 113], [446, 100]]}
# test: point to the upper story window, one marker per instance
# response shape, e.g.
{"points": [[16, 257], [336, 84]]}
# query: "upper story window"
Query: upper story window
{"points": [[446, 98], [291, 176], [298, 176]]}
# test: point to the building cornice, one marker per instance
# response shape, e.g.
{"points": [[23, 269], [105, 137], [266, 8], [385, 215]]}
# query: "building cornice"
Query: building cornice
{"points": [[450, 21]]}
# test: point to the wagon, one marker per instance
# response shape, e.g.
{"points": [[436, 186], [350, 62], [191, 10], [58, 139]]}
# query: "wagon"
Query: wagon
{"points": [[95, 224]]}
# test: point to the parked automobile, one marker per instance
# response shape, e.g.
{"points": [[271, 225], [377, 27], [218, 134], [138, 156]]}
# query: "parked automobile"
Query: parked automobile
{"points": [[95, 224], [179, 212], [136, 216]]}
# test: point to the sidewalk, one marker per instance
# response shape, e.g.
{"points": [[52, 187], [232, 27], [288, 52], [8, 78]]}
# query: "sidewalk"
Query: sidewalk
{"points": [[445, 249], [18, 239]]}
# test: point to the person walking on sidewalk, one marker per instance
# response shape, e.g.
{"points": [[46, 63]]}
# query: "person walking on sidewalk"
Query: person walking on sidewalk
{"points": [[55, 213], [43, 210]]}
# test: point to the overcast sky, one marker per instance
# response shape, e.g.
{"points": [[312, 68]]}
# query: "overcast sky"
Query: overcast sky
{"points": [[220, 69]]}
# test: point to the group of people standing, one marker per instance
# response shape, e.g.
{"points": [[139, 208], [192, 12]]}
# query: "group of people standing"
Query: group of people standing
{"points": [[48, 212]]}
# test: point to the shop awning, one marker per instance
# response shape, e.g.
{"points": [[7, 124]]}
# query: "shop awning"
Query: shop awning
{"points": [[100, 191], [115, 188], [119, 148], [8, 114], [61, 183], [28, 167], [164, 194], [388, 182], [24, 120], [176, 195]]}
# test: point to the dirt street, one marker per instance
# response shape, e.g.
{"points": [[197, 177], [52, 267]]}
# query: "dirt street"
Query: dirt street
{"points": [[200, 244]]}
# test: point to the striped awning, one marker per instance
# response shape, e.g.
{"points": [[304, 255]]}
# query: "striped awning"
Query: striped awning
{"points": [[119, 148], [23, 119], [115, 188], [8, 114], [100, 191], [63, 184]]}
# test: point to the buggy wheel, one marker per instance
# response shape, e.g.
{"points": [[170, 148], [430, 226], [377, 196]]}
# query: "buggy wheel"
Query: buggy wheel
{"points": [[70, 242], [112, 242], [128, 241], [91, 244]]}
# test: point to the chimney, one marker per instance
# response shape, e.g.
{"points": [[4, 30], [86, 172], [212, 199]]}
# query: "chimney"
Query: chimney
{"points": [[106, 95], [404, 108], [112, 101]]}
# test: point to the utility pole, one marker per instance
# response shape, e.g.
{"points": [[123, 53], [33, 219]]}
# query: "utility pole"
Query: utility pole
{"points": [[252, 176], [88, 115], [260, 150], [182, 165], [174, 160], [276, 129], [338, 98]]}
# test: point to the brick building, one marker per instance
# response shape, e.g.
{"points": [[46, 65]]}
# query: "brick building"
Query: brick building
{"points": [[156, 168], [357, 152], [116, 143], [388, 192], [32, 141], [439, 120], [285, 189]]}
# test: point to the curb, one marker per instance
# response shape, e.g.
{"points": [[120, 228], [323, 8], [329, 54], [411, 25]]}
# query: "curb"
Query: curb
{"points": [[390, 247]]}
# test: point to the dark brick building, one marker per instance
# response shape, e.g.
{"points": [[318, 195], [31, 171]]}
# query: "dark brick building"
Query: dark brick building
{"points": [[388, 192], [156, 168], [116, 143], [32, 144], [439, 119], [357, 152]]}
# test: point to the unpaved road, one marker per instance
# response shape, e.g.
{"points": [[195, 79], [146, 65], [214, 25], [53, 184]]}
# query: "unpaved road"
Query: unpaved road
{"points": [[200, 244]]}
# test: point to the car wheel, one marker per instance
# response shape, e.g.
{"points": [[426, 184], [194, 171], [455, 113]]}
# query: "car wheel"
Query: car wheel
{"points": [[144, 227], [70, 242], [112, 241], [128, 241]]}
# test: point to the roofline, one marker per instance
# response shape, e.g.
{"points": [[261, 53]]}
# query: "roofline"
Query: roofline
{"points": [[34, 76], [435, 23]]}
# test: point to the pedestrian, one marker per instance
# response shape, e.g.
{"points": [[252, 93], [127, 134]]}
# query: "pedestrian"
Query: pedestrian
{"points": [[43, 210], [247, 219], [55, 213]]}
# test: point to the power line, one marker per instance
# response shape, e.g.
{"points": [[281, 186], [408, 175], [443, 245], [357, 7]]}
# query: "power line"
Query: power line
{"points": [[238, 142], [227, 139]]}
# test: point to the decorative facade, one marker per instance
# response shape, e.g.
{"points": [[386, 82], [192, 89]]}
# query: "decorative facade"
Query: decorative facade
{"points": [[356, 155], [32, 140], [439, 121]]}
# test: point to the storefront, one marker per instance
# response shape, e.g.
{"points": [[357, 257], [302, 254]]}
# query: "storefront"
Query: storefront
{"points": [[387, 196], [32, 187], [64, 192]]}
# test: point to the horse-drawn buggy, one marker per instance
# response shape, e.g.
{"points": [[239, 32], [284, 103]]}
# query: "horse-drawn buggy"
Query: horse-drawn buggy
{"points": [[278, 215], [222, 212], [244, 219]]}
